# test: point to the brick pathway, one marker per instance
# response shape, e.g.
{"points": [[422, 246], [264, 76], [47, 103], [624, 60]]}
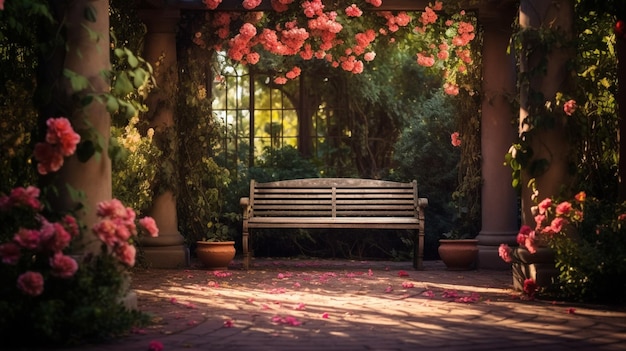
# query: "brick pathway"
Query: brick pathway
{"points": [[348, 305]]}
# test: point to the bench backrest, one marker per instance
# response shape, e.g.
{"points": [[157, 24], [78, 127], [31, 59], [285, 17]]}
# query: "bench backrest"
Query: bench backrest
{"points": [[333, 197]]}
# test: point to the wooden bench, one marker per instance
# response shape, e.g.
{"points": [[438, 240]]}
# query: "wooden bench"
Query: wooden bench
{"points": [[334, 203]]}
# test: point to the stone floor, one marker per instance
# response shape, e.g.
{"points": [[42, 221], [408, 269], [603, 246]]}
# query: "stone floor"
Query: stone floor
{"points": [[345, 305]]}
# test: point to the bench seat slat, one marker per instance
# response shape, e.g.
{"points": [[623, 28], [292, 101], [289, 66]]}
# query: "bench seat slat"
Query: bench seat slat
{"points": [[327, 203]]}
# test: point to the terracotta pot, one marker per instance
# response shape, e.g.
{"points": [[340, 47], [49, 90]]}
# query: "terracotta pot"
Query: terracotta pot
{"points": [[459, 254], [215, 255]]}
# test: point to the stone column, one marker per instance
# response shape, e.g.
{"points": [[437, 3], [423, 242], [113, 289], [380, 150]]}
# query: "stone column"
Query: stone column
{"points": [[548, 74], [87, 57], [499, 200], [168, 250]]}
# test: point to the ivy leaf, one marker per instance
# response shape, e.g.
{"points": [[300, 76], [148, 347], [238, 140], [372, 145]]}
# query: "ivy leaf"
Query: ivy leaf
{"points": [[77, 81], [85, 150], [131, 58], [90, 13], [112, 105], [139, 77], [122, 86]]}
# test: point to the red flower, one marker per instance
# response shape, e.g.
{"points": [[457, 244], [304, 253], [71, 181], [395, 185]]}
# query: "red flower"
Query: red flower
{"points": [[30, 283], [455, 139], [530, 287]]}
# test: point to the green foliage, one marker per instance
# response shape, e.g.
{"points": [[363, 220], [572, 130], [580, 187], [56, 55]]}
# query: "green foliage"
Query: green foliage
{"points": [[74, 311], [592, 260], [424, 153], [281, 164], [133, 159]]}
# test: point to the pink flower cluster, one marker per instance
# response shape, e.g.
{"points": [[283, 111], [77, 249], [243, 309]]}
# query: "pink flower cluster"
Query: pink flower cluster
{"points": [[455, 139], [569, 107], [116, 229], [48, 240], [562, 214], [61, 141]]}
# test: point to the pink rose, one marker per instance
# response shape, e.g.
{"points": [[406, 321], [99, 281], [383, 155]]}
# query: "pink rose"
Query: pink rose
{"points": [[126, 254], [28, 238], [504, 251], [557, 224], [545, 205], [60, 240], [150, 225], [10, 253], [455, 139], [30, 283], [569, 107], [563, 208], [63, 266]]}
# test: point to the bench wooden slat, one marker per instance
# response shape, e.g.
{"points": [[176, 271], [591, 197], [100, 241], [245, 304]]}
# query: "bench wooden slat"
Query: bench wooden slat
{"points": [[335, 203]]}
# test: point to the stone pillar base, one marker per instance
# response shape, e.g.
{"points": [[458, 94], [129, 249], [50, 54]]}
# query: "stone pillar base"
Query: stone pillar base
{"points": [[544, 274], [175, 256], [538, 266]]}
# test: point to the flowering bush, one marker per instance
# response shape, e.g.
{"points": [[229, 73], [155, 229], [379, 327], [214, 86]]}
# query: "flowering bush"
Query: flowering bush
{"points": [[51, 289], [588, 238], [296, 31]]}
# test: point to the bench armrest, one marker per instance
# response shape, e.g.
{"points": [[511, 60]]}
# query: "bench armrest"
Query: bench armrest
{"points": [[422, 202], [244, 202]]}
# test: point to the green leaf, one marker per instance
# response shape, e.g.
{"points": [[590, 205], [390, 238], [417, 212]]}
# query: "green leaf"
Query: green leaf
{"points": [[85, 150], [90, 13], [122, 85], [77, 81], [139, 77], [112, 105]]}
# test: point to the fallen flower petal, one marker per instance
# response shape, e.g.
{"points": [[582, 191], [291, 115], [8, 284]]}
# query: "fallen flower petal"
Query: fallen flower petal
{"points": [[300, 306], [403, 274], [155, 346], [325, 315], [407, 285], [228, 323], [571, 310]]}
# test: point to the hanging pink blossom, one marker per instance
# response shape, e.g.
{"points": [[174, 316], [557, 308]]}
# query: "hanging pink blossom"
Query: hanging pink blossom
{"points": [[455, 139], [424, 60], [30, 283], [451, 89], [353, 11], [61, 134], [212, 4], [370, 56], [375, 3], [251, 4], [570, 107]]}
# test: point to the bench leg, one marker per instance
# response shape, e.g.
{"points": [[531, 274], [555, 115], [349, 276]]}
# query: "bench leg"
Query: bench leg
{"points": [[418, 251], [246, 247]]}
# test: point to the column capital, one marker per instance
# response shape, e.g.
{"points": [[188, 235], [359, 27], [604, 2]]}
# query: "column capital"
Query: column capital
{"points": [[163, 20]]}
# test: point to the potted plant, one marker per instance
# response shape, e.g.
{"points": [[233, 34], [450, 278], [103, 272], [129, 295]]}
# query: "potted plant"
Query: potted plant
{"points": [[458, 251], [217, 249]]}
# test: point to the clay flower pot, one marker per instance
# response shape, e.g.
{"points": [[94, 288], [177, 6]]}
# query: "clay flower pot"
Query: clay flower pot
{"points": [[458, 254], [215, 254]]}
